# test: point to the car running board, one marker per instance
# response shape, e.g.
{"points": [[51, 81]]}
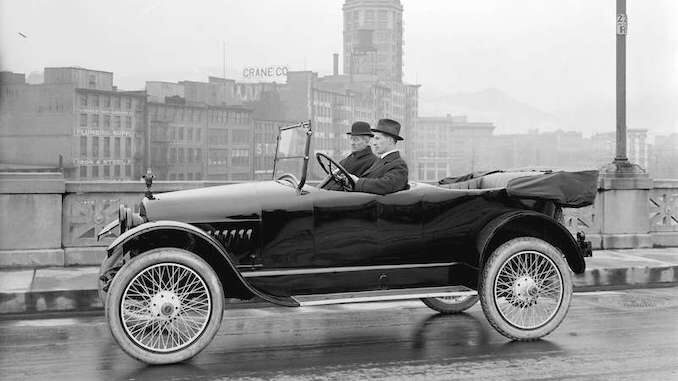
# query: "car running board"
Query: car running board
{"points": [[382, 295]]}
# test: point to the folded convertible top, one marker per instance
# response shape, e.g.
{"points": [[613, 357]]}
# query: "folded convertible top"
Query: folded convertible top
{"points": [[568, 189]]}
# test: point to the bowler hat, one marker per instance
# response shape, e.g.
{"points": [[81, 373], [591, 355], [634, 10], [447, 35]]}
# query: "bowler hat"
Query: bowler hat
{"points": [[389, 127], [360, 129]]}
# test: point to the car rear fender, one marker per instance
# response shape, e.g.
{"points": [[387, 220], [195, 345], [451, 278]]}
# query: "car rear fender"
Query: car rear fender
{"points": [[181, 235], [529, 223]]}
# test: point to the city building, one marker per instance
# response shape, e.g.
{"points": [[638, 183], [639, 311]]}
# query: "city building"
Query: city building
{"points": [[200, 130], [177, 139], [76, 120], [664, 157], [373, 39], [448, 146], [605, 147]]}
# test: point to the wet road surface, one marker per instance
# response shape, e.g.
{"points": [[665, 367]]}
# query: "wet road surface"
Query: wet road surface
{"points": [[608, 335]]}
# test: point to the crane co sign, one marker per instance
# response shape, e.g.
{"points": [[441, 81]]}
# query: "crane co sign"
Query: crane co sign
{"points": [[266, 72]]}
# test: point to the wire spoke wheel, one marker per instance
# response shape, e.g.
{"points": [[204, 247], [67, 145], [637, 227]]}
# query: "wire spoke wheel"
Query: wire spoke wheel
{"points": [[165, 307], [525, 288], [528, 290]]}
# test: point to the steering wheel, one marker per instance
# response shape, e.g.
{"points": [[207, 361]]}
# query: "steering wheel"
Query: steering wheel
{"points": [[289, 178], [336, 171]]}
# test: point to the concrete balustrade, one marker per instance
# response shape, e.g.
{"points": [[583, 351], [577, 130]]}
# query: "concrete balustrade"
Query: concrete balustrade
{"points": [[46, 221]]}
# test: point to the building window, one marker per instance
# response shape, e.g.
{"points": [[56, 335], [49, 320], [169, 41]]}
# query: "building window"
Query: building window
{"points": [[181, 176], [172, 177], [95, 171], [128, 103], [240, 157], [128, 147], [107, 147], [95, 147], [83, 120], [181, 133], [95, 121], [92, 81], [95, 100], [106, 101], [116, 171], [107, 171], [116, 122], [240, 136], [128, 122], [83, 172], [172, 155], [198, 137], [190, 155], [83, 101], [181, 155], [128, 170], [83, 146], [116, 103], [116, 147], [107, 121]]}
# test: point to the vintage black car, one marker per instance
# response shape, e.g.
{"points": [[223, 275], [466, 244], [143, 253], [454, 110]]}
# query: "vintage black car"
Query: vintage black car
{"points": [[493, 237]]}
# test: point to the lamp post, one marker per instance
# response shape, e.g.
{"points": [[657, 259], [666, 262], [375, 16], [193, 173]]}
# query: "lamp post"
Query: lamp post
{"points": [[621, 167], [622, 27], [623, 190]]}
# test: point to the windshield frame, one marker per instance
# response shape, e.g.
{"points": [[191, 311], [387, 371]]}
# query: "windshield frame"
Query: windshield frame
{"points": [[304, 169]]}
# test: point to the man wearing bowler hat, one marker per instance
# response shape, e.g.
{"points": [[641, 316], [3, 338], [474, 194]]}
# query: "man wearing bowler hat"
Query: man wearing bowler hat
{"points": [[389, 173], [361, 158]]}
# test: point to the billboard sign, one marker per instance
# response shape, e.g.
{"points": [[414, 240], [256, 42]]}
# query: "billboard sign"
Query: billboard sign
{"points": [[265, 72]]}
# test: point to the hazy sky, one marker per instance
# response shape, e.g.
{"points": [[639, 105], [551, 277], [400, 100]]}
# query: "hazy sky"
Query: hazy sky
{"points": [[555, 55]]}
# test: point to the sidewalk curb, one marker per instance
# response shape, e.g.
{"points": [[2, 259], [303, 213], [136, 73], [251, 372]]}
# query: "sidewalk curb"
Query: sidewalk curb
{"points": [[596, 279]]}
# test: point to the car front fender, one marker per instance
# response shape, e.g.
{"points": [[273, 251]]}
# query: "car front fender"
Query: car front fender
{"points": [[154, 234]]}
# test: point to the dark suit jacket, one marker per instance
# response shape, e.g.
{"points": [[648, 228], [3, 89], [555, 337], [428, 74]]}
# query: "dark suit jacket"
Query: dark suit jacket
{"points": [[356, 164], [387, 175]]}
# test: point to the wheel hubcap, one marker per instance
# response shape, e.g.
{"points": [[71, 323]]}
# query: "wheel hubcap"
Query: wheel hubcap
{"points": [[165, 307], [528, 290]]}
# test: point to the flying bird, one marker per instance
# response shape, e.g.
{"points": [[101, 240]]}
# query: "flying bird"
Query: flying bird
{"points": [[22, 35]]}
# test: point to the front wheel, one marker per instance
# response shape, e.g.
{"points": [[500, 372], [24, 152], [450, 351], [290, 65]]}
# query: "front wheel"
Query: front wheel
{"points": [[525, 288], [164, 306]]}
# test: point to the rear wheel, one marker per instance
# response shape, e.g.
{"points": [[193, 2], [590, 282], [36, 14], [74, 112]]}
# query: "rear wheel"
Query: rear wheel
{"points": [[525, 288], [164, 306], [451, 304]]}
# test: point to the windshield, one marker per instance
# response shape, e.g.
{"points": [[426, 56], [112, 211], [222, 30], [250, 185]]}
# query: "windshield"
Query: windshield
{"points": [[292, 151]]}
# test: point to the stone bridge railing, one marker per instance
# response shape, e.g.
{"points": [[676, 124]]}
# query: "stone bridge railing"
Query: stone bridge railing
{"points": [[46, 221], [662, 206]]}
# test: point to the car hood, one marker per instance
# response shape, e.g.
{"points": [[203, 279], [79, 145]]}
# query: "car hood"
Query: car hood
{"points": [[216, 203]]}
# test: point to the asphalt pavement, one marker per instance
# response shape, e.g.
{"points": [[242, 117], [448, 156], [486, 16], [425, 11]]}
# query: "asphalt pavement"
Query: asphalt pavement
{"points": [[610, 335]]}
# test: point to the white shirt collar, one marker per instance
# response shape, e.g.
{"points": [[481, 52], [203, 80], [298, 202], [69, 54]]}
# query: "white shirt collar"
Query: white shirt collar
{"points": [[383, 155]]}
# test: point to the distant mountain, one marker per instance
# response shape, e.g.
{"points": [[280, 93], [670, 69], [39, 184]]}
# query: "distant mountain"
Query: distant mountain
{"points": [[490, 105]]}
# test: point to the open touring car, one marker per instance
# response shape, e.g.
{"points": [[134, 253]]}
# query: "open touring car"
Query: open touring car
{"points": [[494, 238]]}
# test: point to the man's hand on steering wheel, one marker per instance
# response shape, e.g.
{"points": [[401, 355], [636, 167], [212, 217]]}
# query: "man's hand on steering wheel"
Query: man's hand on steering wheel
{"points": [[336, 171]]}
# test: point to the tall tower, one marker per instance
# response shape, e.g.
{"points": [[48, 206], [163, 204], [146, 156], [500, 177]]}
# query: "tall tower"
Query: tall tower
{"points": [[373, 38]]}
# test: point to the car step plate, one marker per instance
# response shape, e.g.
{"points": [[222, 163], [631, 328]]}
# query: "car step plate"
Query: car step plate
{"points": [[381, 295]]}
